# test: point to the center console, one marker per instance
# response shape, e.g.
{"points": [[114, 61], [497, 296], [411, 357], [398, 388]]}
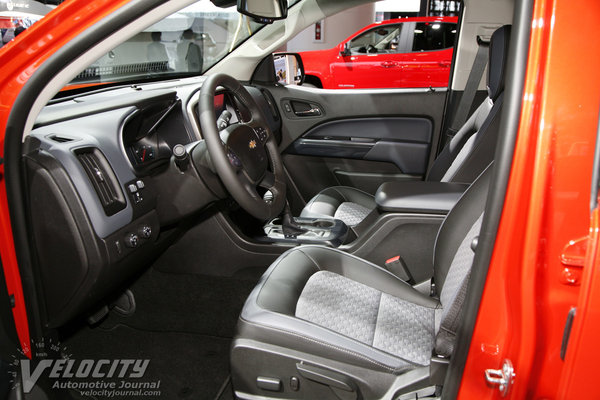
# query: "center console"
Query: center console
{"points": [[408, 212], [330, 232], [419, 197]]}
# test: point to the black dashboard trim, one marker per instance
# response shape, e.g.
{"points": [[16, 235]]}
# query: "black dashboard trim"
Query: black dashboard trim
{"points": [[84, 106], [17, 119]]}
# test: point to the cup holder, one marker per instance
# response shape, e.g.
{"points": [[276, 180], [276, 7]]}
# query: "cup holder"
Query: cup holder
{"points": [[326, 231], [322, 223]]}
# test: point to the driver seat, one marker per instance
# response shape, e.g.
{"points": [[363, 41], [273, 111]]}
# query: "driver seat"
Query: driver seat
{"points": [[322, 323]]}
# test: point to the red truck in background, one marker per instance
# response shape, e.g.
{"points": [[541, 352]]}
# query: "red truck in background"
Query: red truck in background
{"points": [[408, 52]]}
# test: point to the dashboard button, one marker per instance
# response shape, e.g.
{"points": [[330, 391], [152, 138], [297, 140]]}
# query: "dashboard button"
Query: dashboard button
{"points": [[145, 232], [140, 184], [132, 188], [132, 240], [118, 246]]}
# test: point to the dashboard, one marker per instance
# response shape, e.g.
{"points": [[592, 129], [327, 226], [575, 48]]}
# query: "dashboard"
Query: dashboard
{"points": [[151, 132], [105, 192]]}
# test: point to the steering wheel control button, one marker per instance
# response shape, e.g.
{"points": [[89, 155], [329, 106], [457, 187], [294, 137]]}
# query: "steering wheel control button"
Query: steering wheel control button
{"points": [[145, 232], [132, 240], [132, 188], [233, 159], [262, 134]]}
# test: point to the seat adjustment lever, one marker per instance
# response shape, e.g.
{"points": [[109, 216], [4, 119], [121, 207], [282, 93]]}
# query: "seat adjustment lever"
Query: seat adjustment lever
{"points": [[341, 385]]}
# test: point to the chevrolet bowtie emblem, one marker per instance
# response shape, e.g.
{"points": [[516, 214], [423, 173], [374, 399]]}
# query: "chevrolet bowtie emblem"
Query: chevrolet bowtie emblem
{"points": [[252, 144]]}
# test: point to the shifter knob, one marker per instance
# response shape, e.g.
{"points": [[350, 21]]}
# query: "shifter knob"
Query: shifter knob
{"points": [[181, 156]]}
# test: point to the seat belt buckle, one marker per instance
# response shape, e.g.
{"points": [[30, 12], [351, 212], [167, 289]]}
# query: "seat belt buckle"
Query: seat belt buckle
{"points": [[432, 290], [398, 267]]}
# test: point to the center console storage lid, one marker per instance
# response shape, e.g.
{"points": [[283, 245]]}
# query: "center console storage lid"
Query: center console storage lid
{"points": [[419, 197]]}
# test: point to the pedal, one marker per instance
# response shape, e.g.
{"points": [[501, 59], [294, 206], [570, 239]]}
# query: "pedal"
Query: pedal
{"points": [[98, 316], [125, 304]]}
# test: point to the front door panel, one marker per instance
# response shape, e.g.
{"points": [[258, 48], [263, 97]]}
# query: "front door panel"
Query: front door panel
{"points": [[358, 138]]}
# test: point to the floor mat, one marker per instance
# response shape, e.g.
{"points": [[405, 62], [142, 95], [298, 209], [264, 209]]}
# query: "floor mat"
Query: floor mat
{"points": [[183, 324], [187, 366], [186, 303]]}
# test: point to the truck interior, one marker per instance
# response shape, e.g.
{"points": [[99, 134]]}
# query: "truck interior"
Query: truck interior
{"points": [[320, 243]]}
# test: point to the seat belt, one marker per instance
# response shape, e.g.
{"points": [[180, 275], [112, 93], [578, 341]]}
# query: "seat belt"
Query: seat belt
{"points": [[466, 101]]}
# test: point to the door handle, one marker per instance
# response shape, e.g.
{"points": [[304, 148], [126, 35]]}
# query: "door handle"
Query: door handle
{"points": [[313, 112], [444, 63], [389, 64]]}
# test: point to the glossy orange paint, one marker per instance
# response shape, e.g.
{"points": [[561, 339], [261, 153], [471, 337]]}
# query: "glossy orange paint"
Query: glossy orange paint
{"points": [[85, 85], [525, 302], [573, 260], [19, 60], [579, 375]]}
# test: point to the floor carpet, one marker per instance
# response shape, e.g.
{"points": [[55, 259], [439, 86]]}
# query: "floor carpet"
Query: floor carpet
{"points": [[183, 324]]}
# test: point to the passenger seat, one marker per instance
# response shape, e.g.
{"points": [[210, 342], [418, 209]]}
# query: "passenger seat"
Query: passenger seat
{"points": [[462, 160]]}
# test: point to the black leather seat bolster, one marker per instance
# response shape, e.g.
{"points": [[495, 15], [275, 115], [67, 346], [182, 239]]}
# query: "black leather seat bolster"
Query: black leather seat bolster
{"points": [[498, 55], [451, 150], [484, 146], [328, 200], [298, 335], [457, 224], [415, 197], [268, 314], [304, 261]]}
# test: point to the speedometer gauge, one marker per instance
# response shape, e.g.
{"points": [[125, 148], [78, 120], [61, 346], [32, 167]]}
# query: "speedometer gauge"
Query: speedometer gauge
{"points": [[143, 153]]}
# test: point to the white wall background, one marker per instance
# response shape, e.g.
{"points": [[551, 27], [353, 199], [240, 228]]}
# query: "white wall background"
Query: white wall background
{"points": [[398, 5]]}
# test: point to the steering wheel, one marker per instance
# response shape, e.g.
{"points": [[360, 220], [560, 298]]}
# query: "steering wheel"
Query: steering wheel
{"points": [[244, 154], [371, 49]]}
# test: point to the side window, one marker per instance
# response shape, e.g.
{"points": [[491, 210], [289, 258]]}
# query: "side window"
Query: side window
{"points": [[430, 36], [378, 44], [382, 39]]}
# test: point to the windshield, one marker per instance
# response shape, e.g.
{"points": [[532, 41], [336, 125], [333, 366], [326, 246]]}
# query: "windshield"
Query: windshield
{"points": [[185, 43]]}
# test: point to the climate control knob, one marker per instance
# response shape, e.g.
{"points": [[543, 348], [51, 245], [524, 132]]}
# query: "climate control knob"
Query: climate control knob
{"points": [[132, 240]]}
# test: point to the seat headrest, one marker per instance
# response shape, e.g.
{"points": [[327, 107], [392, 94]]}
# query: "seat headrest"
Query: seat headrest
{"points": [[497, 64]]}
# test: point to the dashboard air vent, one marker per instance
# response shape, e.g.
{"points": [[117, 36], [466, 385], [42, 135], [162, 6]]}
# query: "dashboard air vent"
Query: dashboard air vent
{"points": [[61, 139], [103, 179]]}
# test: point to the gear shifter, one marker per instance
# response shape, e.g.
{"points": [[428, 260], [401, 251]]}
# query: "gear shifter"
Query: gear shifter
{"points": [[289, 227]]}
